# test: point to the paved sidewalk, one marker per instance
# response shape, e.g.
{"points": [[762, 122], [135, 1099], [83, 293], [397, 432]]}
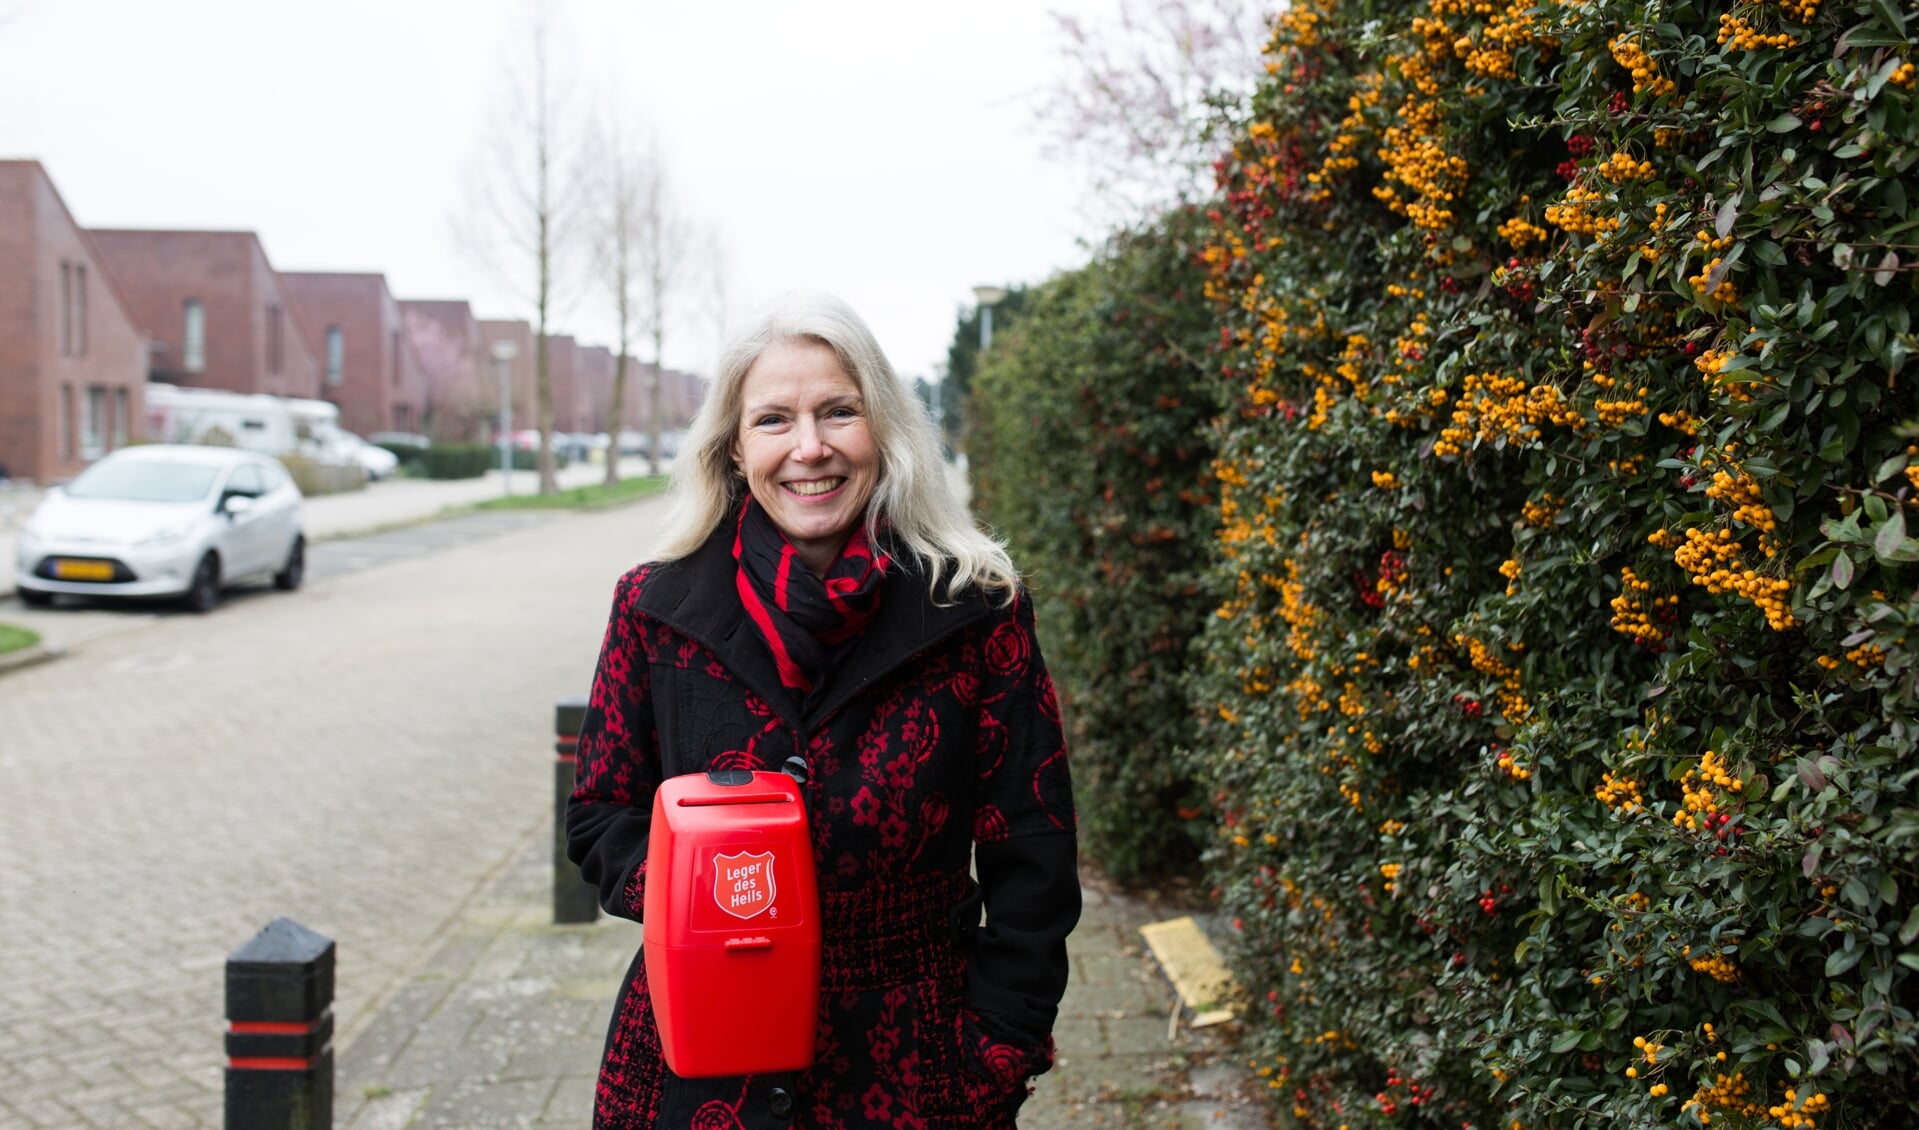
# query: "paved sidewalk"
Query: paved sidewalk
{"points": [[502, 1027]]}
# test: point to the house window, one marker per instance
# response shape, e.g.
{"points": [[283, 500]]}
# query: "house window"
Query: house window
{"points": [[66, 308], [394, 362], [73, 309], [64, 423], [122, 411], [93, 424], [275, 360], [335, 355], [193, 344]]}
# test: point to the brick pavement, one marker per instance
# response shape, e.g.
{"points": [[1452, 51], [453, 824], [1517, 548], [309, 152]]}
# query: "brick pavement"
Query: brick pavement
{"points": [[502, 1026]]}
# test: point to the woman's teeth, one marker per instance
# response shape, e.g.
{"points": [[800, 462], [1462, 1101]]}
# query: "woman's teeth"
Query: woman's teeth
{"points": [[819, 486]]}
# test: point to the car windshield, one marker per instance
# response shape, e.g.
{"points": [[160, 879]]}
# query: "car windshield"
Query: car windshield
{"points": [[145, 480]]}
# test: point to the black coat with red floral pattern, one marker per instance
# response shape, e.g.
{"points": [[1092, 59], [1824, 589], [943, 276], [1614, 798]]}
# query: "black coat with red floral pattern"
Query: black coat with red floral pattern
{"points": [[935, 738]]}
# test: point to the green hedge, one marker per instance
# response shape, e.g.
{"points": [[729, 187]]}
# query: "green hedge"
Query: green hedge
{"points": [[1083, 438], [1564, 693], [412, 456], [459, 460]]}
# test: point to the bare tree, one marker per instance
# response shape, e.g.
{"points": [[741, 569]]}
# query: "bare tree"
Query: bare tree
{"points": [[619, 173], [666, 239], [1141, 97], [519, 217], [717, 266]]}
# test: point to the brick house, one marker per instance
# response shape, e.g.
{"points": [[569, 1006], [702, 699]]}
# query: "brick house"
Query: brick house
{"points": [[593, 400], [458, 388], [367, 367], [73, 365], [563, 364], [214, 311]]}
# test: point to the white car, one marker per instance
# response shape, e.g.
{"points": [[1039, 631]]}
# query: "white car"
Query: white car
{"points": [[164, 521]]}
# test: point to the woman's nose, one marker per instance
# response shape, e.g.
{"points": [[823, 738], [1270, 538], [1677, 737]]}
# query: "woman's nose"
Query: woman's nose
{"points": [[810, 442]]}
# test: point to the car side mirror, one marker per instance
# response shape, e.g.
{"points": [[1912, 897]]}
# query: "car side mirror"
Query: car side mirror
{"points": [[236, 505]]}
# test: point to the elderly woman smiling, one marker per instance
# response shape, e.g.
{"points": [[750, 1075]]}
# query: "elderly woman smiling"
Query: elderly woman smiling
{"points": [[820, 601]]}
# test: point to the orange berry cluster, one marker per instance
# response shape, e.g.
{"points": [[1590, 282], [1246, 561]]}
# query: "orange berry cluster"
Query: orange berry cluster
{"points": [[1728, 1093], [1520, 233], [1706, 557], [1630, 614], [1741, 491], [1512, 704], [1801, 10], [1725, 292], [1492, 407], [1645, 72], [1620, 168], [1745, 37], [1574, 216], [1717, 966], [1710, 363], [1904, 76], [1385, 480], [1540, 512], [1621, 794], [1795, 1113], [1415, 158], [1697, 787], [1613, 413]]}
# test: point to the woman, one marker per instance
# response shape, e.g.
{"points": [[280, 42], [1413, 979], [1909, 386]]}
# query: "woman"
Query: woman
{"points": [[820, 599]]}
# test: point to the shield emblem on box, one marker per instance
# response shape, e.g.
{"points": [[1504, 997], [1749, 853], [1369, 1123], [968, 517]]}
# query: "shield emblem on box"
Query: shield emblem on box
{"points": [[743, 883]]}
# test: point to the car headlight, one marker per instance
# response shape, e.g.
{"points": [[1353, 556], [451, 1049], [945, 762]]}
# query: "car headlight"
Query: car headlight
{"points": [[166, 536]]}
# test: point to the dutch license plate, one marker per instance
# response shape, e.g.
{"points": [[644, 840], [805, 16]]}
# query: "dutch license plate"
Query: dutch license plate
{"points": [[83, 570]]}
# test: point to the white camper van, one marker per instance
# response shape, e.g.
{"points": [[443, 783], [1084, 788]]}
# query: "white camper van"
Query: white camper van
{"points": [[270, 425], [255, 422]]}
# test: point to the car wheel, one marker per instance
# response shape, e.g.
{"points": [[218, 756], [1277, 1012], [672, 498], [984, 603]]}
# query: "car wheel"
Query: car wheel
{"points": [[205, 592], [289, 578], [34, 598]]}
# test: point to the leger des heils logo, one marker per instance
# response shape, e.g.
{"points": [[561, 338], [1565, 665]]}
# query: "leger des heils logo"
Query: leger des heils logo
{"points": [[743, 883]]}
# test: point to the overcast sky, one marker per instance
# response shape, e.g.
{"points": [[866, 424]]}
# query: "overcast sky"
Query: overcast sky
{"points": [[881, 149]]}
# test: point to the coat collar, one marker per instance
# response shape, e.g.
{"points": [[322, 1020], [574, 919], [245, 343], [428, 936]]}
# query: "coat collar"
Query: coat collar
{"points": [[696, 595]]}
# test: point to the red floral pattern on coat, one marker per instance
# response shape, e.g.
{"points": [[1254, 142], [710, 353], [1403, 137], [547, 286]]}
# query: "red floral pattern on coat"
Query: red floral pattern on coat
{"points": [[959, 743]]}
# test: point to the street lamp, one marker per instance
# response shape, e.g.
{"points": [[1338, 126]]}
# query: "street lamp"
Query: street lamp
{"points": [[503, 354], [988, 296]]}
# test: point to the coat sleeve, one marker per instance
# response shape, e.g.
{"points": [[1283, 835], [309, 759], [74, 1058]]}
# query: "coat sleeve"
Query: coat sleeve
{"points": [[609, 815], [1025, 845]]}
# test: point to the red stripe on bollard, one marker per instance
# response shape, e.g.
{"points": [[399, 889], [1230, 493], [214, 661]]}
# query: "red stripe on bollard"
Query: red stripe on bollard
{"points": [[262, 1064], [269, 1028]]}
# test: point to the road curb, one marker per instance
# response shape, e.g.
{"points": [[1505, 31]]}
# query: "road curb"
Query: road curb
{"points": [[30, 656]]}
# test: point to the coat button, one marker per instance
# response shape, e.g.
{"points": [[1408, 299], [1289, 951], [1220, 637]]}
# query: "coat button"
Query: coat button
{"points": [[780, 1101]]}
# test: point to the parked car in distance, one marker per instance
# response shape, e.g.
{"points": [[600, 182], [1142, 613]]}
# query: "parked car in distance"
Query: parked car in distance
{"points": [[399, 439], [337, 445], [164, 520]]}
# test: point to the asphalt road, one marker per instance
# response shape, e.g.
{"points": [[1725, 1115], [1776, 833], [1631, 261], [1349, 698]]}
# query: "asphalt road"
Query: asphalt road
{"points": [[360, 756]]}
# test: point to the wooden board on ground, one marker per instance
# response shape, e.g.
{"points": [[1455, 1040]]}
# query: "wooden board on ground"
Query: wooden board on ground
{"points": [[1193, 966]]}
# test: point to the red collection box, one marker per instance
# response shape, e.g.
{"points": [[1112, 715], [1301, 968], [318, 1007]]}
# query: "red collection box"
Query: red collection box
{"points": [[732, 924]]}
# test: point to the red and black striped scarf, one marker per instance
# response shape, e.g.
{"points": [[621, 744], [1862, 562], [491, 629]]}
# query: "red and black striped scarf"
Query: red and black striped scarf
{"points": [[804, 618]]}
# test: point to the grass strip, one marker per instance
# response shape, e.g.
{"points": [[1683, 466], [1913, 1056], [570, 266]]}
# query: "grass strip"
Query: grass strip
{"points": [[13, 638], [581, 498]]}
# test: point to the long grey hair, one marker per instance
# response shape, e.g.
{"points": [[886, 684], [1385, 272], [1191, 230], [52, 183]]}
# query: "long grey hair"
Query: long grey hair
{"points": [[912, 495]]}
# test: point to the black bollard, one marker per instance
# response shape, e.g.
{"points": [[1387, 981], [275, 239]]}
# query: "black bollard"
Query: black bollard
{"points": [[574, 899], [280, 1030]]}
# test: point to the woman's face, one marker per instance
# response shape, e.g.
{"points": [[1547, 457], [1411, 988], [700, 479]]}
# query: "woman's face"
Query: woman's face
{"points": [[806, 448]]}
